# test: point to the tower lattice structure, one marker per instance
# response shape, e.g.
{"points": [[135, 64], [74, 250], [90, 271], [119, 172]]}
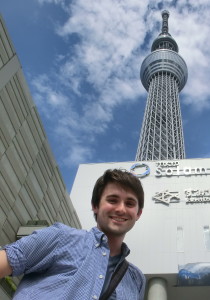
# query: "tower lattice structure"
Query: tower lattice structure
{"points": [[163, 74]]}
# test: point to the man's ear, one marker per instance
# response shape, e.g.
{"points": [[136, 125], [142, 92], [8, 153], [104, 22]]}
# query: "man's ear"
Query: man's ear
{"points": [[95, 209], [139, 214]]}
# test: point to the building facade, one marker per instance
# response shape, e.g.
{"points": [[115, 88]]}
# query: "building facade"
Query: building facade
{"points": [[163, 74], [31, 186], [170, 242]]}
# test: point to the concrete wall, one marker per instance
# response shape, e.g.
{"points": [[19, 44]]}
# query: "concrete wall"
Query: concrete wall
{"points": [[31, 186]]}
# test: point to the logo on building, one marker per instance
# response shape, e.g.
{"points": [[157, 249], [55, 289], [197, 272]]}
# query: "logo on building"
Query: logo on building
{"points": [[140, 170], [166, 197], [172, 168]]}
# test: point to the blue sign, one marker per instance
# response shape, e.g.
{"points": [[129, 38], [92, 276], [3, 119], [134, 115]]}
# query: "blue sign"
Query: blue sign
{"points": [[144, 170]]}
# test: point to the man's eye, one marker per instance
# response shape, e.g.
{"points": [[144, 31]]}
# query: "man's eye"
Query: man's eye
{"points": [[130, 204], [112, 200]]}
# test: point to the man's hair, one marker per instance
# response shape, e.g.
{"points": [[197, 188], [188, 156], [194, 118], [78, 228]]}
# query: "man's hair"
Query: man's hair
{"points": [[121, 177]]}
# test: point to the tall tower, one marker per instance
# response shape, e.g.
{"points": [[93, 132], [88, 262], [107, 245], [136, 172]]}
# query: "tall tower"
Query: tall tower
{"points": [[163, 74]]}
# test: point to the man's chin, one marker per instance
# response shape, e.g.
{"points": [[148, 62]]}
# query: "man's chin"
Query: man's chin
{"points": [[115, 232]]}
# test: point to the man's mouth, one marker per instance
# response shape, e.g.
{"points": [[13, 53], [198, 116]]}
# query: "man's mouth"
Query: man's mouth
{"points": [[118, 219]]}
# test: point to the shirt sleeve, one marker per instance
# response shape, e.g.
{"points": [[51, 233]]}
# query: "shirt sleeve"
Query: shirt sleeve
{"points": [[139, 279], [35, 252], [142, 287]]}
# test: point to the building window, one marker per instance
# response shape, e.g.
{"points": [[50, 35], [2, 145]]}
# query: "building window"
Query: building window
{"points": [[180, 239], [206, 237]]}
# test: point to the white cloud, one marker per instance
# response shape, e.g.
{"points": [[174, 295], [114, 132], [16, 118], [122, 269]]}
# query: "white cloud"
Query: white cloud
{"points": [[110, 31], [47, 93], [190, 26], [118, 145], [107, 58], [77, 155]]}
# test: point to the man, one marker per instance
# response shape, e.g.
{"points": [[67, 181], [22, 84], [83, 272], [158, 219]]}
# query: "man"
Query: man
{"points": [[61, 262]]}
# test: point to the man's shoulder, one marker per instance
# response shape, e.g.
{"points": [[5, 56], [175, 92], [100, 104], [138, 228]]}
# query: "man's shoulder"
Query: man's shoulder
{"points": [[138, 279], [60, 228], [136, 271], [73, 237]]}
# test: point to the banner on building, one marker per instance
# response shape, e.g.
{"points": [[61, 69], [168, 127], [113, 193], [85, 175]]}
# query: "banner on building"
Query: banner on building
{"points": [[194, 274]]}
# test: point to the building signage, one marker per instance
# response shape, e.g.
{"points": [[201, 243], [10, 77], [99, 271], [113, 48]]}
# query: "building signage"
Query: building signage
{"points": [[169, 169], [172, 168], [166, 197], [140, 170], [191, 196], [197, 196]]}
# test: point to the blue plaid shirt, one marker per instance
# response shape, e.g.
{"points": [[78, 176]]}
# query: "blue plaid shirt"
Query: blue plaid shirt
{"points": [[62, 263]]}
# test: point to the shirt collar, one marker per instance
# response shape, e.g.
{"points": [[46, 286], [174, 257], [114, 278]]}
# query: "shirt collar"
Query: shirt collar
{"points": [[125, 250], [101, 238]]}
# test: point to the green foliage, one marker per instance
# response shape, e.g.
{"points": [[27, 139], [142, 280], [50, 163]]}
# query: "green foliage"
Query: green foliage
{"points": [[10, 282]]}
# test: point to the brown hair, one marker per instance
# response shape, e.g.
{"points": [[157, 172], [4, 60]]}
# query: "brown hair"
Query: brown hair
{"points": [[122, 177]]}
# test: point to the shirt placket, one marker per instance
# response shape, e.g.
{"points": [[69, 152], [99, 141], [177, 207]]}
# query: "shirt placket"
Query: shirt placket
{"points": [[102, 253]]}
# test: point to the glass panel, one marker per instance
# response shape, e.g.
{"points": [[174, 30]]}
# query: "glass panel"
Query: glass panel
{"points": [[180, 239], [206, 237]]}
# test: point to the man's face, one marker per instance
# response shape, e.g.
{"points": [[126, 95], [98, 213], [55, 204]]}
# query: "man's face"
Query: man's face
{"points": [[118, 210]]}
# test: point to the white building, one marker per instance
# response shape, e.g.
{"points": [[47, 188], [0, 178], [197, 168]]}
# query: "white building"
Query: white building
{"points": [[174, 227]]}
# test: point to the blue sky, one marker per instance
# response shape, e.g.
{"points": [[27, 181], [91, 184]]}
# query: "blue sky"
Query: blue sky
{"points": [[81, 60]]}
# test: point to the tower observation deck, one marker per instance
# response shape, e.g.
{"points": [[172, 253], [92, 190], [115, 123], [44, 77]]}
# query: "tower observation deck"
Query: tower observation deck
{"points": [[163, 74]]}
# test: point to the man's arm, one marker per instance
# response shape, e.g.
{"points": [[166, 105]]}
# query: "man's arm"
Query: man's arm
{"points": [[5, 268]]}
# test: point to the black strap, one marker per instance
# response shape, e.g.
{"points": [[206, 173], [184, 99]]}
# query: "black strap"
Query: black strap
{"points": [[115, 279]]}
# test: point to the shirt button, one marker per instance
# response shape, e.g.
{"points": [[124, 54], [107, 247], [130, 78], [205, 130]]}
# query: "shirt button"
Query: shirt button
{"points": [[101, 276], [104, 239], [97, 245], [95, 297], [104, 253]]}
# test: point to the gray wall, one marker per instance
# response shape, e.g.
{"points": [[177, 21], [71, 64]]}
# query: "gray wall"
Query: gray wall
{"points": [[31, 187]]}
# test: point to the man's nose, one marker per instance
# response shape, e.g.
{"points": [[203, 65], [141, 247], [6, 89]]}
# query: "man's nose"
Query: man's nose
{"points": [[120, 207]]}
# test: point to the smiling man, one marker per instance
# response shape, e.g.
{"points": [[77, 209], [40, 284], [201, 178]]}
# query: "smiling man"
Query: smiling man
{"points": [[61, 262], [117, 203]]}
